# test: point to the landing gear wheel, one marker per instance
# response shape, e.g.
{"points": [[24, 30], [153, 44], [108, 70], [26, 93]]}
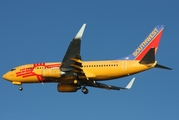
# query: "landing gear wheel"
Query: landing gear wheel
{"points": [[20, 88], [84, 90]]}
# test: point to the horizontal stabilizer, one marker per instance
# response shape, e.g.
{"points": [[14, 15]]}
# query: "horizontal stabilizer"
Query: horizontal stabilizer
{"points": [[163, 67]]}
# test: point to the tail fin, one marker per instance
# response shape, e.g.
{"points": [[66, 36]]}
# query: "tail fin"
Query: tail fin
{"points": [[152, 41], [149, 57]]}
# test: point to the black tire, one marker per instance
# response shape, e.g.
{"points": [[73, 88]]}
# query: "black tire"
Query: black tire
{"points": [[85, 90]]}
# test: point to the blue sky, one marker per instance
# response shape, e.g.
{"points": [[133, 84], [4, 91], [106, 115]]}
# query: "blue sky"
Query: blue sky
{"points": [[40, 31]]}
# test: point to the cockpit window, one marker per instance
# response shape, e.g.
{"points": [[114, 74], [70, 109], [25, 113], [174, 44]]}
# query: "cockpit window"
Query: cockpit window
{"points": [[13, 69]]}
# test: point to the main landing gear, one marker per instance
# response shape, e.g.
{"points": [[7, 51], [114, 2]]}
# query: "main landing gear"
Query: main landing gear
{"points": [[84, 90]]}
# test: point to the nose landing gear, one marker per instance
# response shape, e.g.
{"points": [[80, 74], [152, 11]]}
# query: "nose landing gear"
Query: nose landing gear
{"points": [[20, 88]]}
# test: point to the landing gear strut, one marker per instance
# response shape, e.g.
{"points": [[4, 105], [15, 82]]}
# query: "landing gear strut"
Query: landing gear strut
{"points": [[84, 90], [78, 82]]}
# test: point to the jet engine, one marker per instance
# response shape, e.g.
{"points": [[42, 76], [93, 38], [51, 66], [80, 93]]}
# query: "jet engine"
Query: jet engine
{"points": [[67, 87], [52, 73]]}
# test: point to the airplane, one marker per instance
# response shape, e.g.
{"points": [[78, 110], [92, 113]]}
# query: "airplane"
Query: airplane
{"points": [[73, 74]]}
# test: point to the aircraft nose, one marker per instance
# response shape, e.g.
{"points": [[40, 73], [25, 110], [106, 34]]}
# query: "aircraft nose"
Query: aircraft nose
{"points": [[5, 76]]}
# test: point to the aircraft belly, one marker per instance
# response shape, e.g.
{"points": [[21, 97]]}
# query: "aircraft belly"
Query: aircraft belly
{"points": [[27, 79], [68, 79], [44, 80]]}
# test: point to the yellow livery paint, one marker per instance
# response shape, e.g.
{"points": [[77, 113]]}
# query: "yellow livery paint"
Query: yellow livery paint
{"points": [[73, 74], [96, 70]]}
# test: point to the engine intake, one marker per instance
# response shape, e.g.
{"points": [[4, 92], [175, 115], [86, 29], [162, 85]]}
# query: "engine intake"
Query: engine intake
{"points": [[67, 87], [52, 73]]}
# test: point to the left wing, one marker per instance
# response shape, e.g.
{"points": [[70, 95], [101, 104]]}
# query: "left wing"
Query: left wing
{"points": [[110, 87]]}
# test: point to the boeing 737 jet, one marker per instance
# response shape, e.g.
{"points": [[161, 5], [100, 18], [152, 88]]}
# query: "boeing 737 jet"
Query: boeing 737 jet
{"points": [[73, 74]]}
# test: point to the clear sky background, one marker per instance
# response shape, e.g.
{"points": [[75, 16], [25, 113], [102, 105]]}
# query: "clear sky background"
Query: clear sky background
{"points": [[40, 31]]}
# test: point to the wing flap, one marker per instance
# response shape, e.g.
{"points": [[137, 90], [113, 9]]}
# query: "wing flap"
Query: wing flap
{"points": [[76, 66], [108, 87], [76, 60]]}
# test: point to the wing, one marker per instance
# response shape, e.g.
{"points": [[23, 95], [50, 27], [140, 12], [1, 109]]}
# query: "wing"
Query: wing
{"points": [[72, 64], [110, 87], [73, 52]]}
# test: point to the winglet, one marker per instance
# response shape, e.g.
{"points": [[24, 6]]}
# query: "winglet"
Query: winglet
{"points": [[80, 32], [130, 84]]}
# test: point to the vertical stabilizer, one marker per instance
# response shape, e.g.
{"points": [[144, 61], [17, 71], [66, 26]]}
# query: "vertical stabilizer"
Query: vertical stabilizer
{"points": [[152, 41], [149, 57]]}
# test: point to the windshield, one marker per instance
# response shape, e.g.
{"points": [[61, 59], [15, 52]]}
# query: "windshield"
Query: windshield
{"points": [[13, 69]]}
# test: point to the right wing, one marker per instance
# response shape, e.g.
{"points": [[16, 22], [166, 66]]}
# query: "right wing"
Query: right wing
{"points": [[72, 62], [73, 52]]}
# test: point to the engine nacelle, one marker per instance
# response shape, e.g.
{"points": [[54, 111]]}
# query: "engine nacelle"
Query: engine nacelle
{"points": [[52, 73], [67, 87]]}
